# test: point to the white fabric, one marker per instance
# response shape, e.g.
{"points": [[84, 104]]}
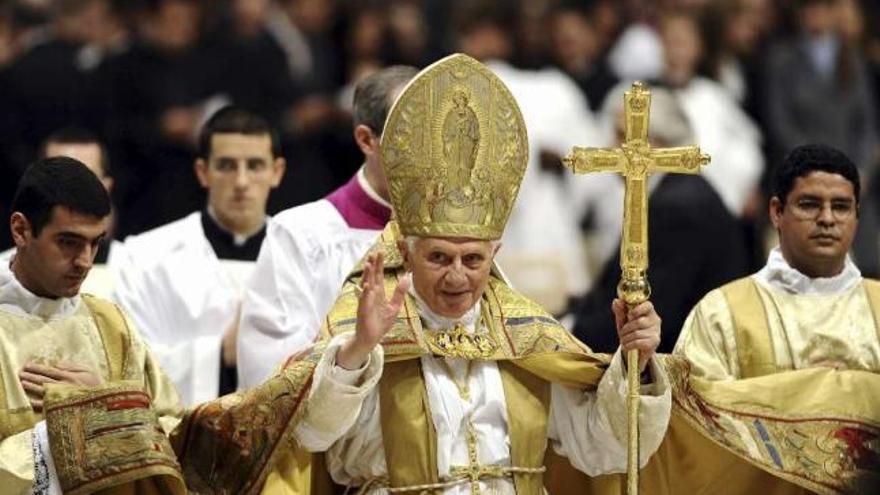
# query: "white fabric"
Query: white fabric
{"points": [[731, 76], [557, 118], [41, 439], [637, 53], [587, 427], [729, 136], [306, 255], [779, 274], [183, 299]]}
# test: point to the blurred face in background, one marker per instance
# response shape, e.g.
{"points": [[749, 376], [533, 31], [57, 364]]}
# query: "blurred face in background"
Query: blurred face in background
{"points": [[574, 41], [850, 20], [312, 16], [239, 174], [817, 18], [682, 48], [251, 15], [175, 25], [486, 41], [743, 30]]}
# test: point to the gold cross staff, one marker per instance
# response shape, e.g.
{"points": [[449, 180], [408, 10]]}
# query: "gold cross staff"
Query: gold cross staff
{"points": [[635, 160]]}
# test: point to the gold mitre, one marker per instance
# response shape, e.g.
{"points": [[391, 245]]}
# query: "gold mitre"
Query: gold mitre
{"points": [[454, 149]]}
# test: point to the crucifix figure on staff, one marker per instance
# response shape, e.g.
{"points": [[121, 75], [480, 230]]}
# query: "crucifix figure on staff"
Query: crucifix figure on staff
{"points": [[635, 160]]}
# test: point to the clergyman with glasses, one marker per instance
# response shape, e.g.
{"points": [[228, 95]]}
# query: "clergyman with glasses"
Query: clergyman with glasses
{"points": [[808, 306]]}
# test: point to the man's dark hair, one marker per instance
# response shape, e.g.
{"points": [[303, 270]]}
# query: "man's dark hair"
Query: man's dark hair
{"points": [[371, 96], [59, 181], [76, 135], [236, 120], [808, 158]]}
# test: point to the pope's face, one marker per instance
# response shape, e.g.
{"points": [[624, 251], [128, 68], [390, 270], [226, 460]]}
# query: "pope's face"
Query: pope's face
{"points": [[450, 275], [817, 223]]}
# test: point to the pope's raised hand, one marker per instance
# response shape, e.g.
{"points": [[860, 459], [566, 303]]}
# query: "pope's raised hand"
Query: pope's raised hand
{"points": [[376, 314]]}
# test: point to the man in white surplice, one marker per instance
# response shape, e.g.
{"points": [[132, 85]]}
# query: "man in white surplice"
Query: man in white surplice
{"points": [[182, 283], [310, 249]]}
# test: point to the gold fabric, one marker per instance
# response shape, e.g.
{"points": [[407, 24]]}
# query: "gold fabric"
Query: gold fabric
{"points": [[814, 429], [407, 432], [106, 439], [528, 408], [804, 331], [792, 433], [454, 150], [96, 335], [114, 333], [764, 392], [241, 443], [753, 338]]}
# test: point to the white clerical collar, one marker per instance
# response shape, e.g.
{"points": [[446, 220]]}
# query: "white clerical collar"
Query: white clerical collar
{"points": [[779, 274], [365, 185], [237, 239], [16, 299], [433, 321]]}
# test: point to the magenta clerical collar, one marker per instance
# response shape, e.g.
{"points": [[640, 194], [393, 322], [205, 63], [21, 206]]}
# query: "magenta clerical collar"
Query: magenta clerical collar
{"points": [[359, 210]]}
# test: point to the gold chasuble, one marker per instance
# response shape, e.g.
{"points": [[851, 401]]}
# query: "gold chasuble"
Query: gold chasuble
{"points": [[245, 431], [95, 427]]}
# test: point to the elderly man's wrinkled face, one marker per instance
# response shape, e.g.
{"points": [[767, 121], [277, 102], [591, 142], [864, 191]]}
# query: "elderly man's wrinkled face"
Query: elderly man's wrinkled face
{"points": [[450, 275]]}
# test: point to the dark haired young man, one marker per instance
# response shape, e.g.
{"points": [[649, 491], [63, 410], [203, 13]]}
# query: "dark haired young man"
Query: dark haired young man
{"points": [[49, 333], [85, 147], [813, 307], [310, 249], [182, 282]]}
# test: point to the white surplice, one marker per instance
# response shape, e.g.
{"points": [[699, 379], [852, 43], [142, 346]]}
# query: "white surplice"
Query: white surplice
{"points": [[557, 117], [308, 252], [183, 299], [587, 427], [730, 136]]}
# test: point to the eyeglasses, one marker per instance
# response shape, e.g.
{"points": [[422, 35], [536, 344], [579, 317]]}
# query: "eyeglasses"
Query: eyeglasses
{"points": [[812, 209]]}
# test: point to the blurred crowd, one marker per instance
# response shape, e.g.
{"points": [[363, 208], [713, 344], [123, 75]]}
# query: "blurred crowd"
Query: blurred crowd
{"points": [[144, 75]]}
